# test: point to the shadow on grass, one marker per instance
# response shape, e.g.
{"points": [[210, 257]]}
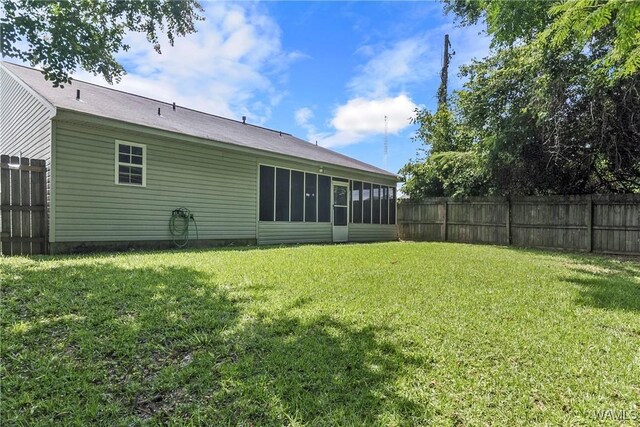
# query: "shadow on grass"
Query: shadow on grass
{"points": [[320, 372], [615, 293], [611, 283], [88, 343], [91, 342]]}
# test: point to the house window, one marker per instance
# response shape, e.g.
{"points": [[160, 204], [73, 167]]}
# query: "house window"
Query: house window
{"points": [[131, 163]]}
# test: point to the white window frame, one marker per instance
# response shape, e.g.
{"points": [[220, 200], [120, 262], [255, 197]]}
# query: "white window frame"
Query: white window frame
{"points": [[118, 163]]}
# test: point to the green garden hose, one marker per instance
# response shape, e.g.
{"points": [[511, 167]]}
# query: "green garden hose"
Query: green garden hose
{"points": [[179, 223]]}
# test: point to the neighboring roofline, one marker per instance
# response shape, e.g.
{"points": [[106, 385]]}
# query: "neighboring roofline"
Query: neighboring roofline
{"points": [[81, 117], [42, 99]]}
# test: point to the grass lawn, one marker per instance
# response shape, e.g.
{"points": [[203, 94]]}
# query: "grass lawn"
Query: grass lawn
{"points": [[383, 334]]}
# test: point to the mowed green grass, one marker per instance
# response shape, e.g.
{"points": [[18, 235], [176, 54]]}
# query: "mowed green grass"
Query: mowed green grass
{"points": [[372, 334]]}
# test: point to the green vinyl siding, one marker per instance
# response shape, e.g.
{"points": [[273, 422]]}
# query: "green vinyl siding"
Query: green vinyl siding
{"points": [[372, 232], [293, 232], [218, 187], [25, 120]]}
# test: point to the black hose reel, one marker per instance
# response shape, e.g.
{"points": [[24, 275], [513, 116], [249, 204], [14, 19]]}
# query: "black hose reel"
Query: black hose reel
{"points": [[181, 219]]}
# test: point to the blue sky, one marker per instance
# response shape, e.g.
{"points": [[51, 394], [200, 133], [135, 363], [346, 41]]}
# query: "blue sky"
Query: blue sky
{"points": [[323, 71]]}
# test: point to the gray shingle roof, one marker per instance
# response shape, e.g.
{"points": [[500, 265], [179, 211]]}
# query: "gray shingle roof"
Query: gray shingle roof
{"points": [[126, 107]]}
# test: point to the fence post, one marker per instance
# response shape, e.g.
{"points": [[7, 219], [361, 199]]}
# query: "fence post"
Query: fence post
{"points": [[590, 223], [508, 221], [444, 221]]}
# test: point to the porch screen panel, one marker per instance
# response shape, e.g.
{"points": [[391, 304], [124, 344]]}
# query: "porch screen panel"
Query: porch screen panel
{"points": [[282, 194], [267, 175], [297, 196], [384, 206], [366, 203], [310, 197], [375, 215], [324, 198], [392, 205], [356, 197]]}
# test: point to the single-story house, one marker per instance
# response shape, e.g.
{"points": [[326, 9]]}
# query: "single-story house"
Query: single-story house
{"points": [[120, 164]]}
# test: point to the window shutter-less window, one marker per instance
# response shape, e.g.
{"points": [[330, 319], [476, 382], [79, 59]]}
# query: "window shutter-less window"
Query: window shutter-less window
{"points": [[130, 164]]}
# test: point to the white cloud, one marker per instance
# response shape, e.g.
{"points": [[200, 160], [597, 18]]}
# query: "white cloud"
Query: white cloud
{"points": [[392, 67], [416, 59], [362, 115], [384, 73], [303, 115], [228, 67], [360, 118]]}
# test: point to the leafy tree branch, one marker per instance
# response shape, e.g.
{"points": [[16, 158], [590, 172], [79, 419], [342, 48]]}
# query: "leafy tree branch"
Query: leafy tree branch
{"points": [[64, 35]]}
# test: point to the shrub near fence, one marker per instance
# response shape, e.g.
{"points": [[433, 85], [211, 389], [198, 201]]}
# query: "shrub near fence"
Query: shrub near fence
{"points": [[599, 223]]}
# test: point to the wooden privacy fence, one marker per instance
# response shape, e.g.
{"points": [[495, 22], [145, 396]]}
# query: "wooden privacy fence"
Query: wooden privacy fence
{"points": [[602, 223], [23, 214]]}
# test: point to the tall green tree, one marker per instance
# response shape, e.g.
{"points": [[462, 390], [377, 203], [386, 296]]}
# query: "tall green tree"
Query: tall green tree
{"points": [[574, 22], [583, 20], [554, 109], [63, 35]]}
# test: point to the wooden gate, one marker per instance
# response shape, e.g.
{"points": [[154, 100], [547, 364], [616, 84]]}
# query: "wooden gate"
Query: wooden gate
{"points": [[23, 210]]}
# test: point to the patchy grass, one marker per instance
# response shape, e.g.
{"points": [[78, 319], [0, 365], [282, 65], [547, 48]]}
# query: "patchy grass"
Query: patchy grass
{"points": [[387, 334]]}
